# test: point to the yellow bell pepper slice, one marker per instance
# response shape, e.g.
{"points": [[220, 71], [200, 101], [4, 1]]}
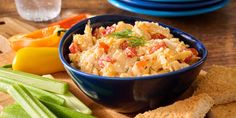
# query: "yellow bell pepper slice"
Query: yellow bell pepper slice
{"points": [[47, 37], [38, 60]]}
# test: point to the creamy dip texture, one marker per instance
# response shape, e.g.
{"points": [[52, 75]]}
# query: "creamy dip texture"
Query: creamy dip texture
{"points": [[125, 50]]}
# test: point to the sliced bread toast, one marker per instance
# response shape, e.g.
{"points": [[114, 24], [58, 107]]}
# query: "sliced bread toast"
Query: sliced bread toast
{"points": [[193, 107], [223, 111], [219, 83]]}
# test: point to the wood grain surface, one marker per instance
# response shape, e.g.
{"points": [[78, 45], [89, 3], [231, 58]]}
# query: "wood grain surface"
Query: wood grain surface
{"points": [[217, 30]]}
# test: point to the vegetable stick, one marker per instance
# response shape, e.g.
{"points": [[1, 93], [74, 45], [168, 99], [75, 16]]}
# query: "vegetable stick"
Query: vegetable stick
{"points": [[13, 111], [74, 103], [71, 101], [4, 86], [35, 81], [38, 93], [29, 103], [63, 112]]}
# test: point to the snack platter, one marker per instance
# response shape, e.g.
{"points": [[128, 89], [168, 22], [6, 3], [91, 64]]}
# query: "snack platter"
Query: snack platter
{"points": [[212, 94], [14, 26]]}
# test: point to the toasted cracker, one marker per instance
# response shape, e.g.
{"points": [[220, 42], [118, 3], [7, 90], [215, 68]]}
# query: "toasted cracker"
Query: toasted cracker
{"points": [[219, 83], [193, 107], [223, 111]]}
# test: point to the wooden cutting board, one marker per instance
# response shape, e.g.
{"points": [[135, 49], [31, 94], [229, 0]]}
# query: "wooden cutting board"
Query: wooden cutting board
{"points": [[9, 27]]}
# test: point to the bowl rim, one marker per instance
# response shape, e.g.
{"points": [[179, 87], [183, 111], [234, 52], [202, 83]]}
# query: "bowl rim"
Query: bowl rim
{"points": [[164, 75]]}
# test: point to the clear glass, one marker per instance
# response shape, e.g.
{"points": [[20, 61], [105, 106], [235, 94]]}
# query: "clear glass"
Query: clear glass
{"points": [[38, 10]]}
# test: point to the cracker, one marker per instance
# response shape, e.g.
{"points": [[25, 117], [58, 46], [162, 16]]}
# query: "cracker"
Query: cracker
{"points": [[223, 111], [219, 83], [193, 107]]}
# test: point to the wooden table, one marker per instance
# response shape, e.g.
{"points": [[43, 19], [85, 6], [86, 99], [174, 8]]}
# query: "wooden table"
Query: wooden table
{"points": [[217, 30]]}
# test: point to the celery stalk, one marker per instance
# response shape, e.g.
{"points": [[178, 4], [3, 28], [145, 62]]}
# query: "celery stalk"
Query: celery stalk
{"points": [[4, 86], [35, 81], [29, 103], [45, 96], [38, 93], [14, 111], [71, 101], [63, 112], [74, 103]]}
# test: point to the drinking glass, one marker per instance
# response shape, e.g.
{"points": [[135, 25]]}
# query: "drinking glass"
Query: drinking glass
{"points": [[38, 10]]}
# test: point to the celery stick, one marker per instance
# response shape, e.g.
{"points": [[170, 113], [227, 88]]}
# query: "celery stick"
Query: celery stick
{"points": [[63, 112], [38, 93], [29, 103], [4, 86], [74, 103], [35, 81], [14, 111], [45, 96]]}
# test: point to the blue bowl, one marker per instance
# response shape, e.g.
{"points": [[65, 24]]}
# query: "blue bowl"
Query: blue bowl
{"points": [[131, 94]]}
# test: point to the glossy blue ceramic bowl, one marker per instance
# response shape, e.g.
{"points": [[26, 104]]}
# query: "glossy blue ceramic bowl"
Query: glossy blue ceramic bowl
{"points": [[131, 94]]}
